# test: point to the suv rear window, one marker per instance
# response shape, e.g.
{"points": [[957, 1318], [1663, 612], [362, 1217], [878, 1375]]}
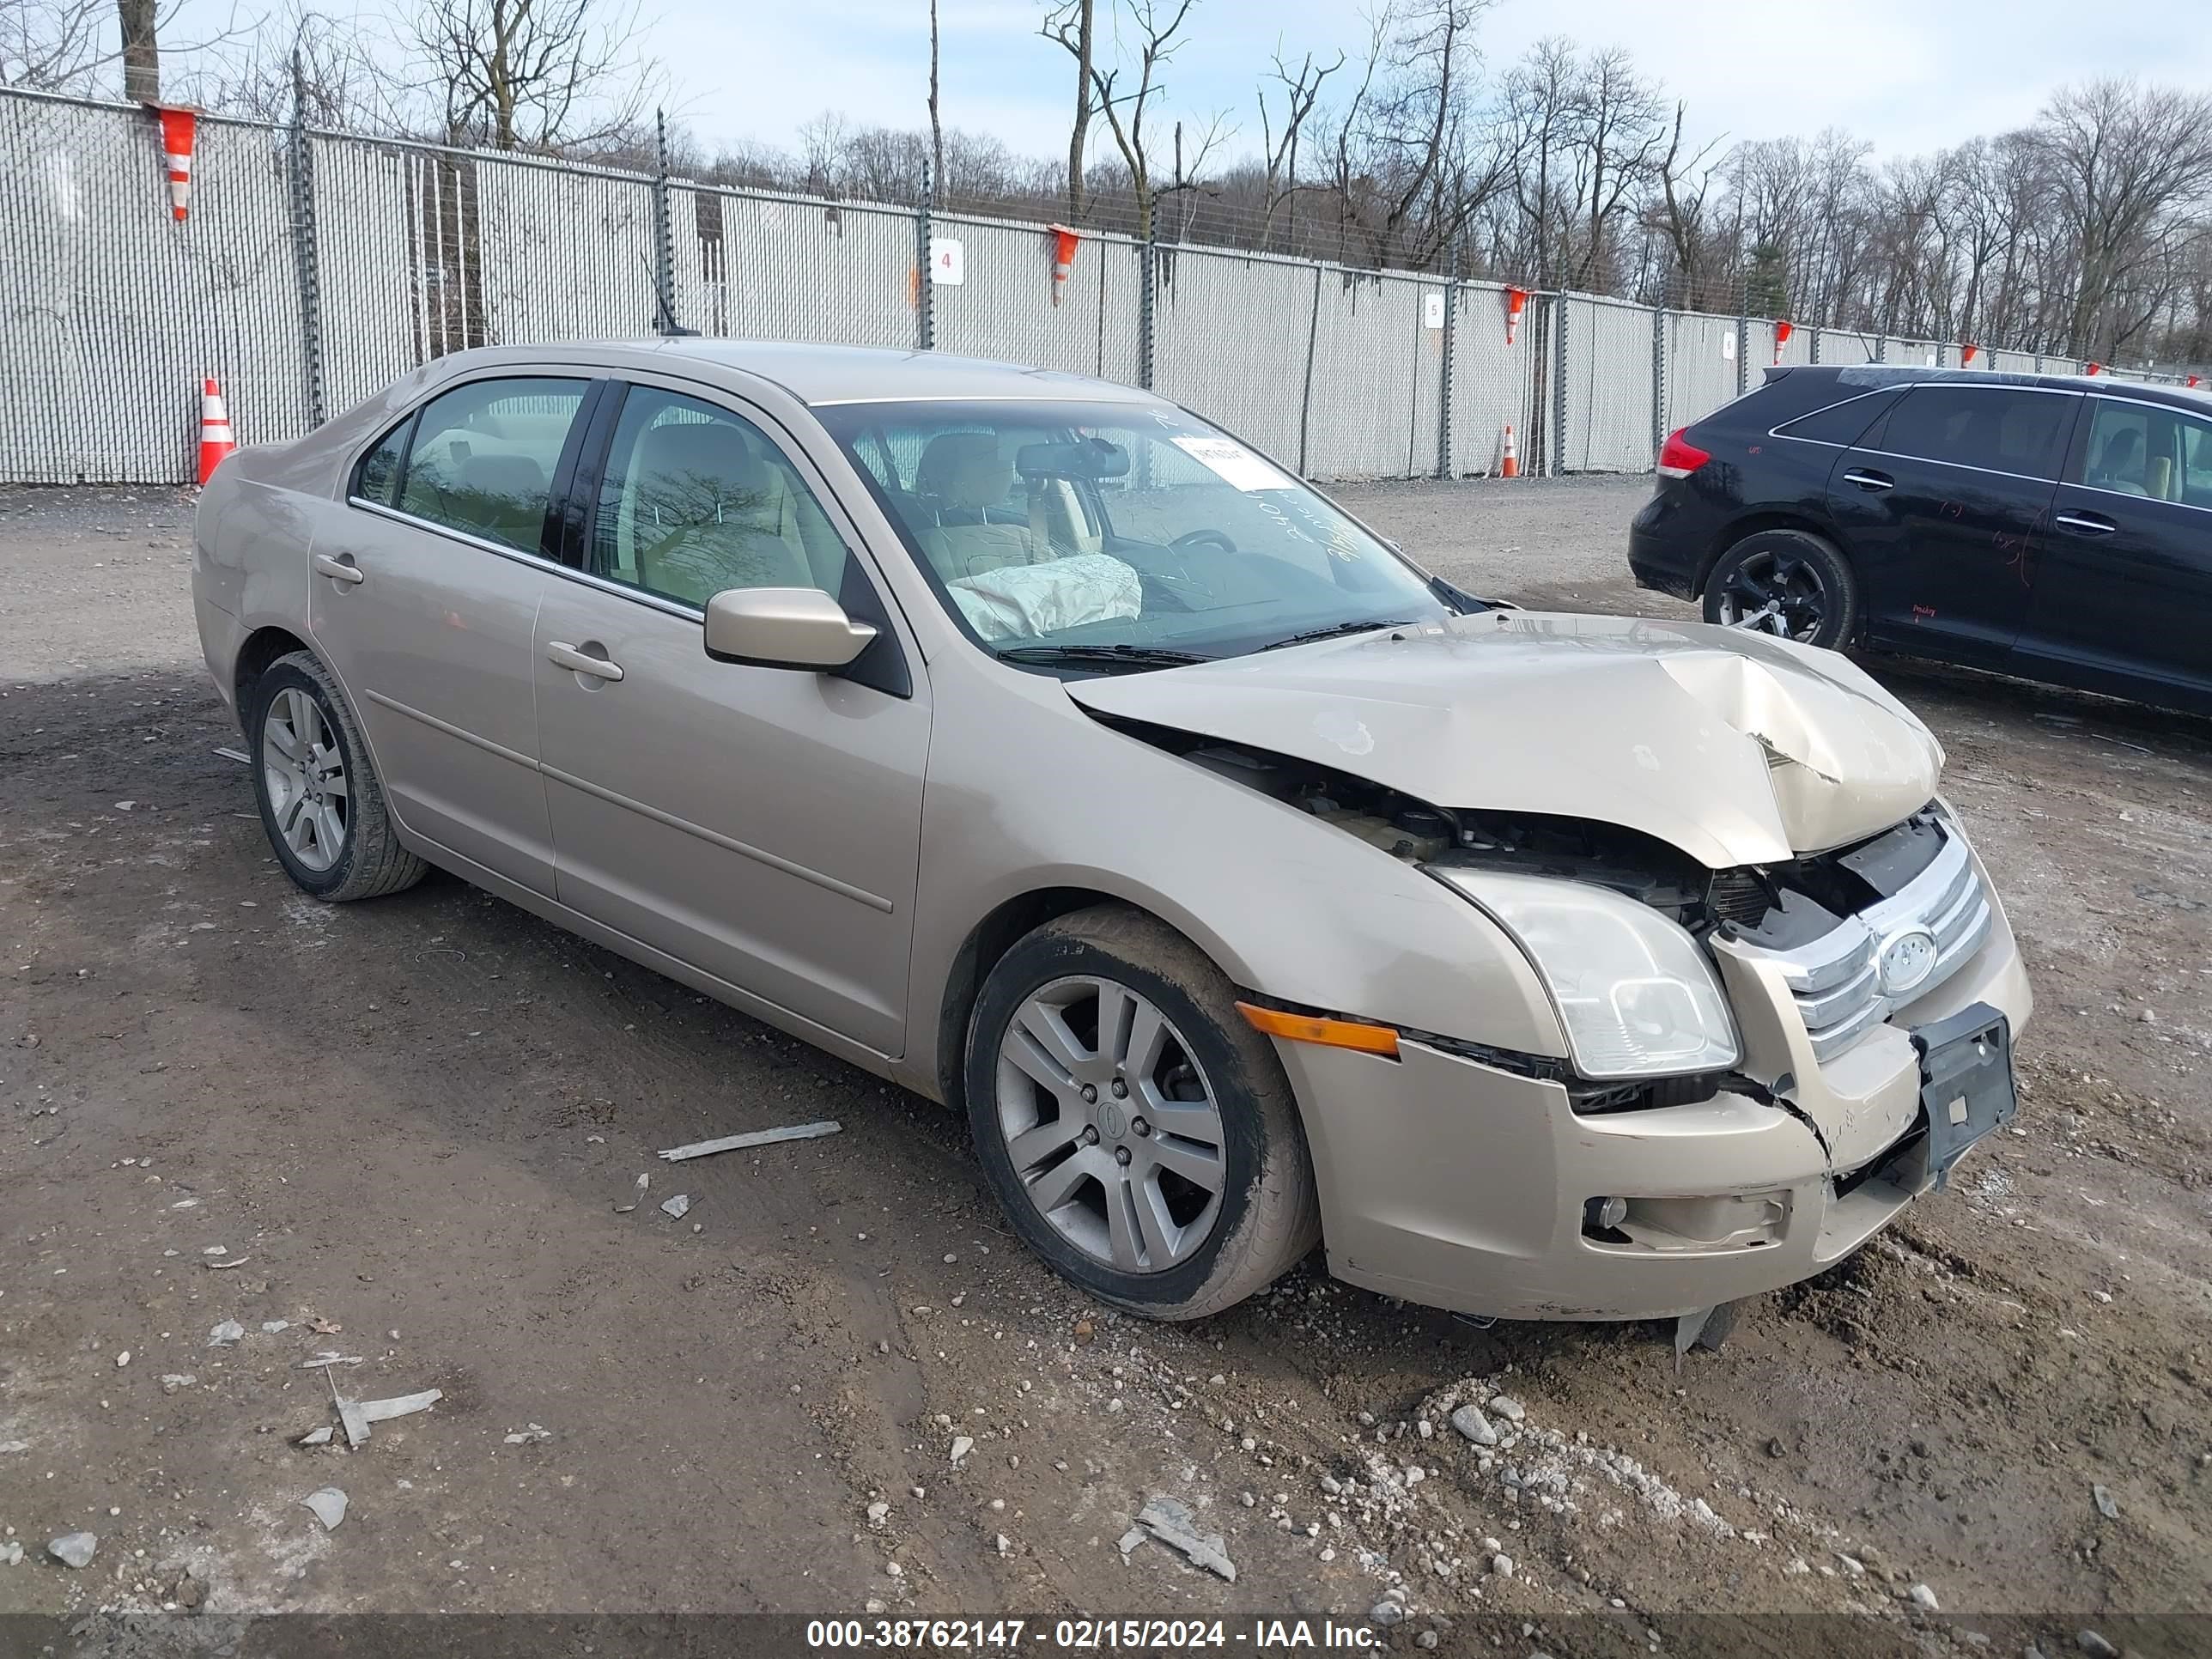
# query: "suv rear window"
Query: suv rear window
{"points": [[1842, 423], [1996, 429]]}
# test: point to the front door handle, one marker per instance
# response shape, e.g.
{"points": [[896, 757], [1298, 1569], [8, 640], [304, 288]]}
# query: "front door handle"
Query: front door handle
{"points": [[2086, 524], [339, 570], [582, 662], [1866, 480]]}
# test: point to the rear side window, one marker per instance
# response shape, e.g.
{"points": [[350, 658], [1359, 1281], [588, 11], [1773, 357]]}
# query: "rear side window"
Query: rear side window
{"points": [[483, 457], [1996, 429], [1842, 423], [377, 479]]}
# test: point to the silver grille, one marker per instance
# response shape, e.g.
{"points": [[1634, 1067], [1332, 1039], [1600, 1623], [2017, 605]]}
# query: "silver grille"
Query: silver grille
{"points": [[1837, 979]]}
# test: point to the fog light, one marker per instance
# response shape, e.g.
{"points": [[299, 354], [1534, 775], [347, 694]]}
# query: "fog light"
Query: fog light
{"points": [[1602, 1215]]}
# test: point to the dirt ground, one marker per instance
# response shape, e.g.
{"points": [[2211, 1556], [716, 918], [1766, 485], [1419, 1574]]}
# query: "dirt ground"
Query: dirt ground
{"points": [[404, 1128]]}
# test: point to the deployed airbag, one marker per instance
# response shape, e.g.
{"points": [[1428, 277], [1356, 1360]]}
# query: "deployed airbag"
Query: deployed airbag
{"points": [[1030, 601]]}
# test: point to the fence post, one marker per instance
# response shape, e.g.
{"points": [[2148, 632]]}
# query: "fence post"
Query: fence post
{"points": [[1147, 298], [1881, 348], [1658, 379], [1743, 343], [1813, 344], [300, 159], [925, 301], [664, 238], [1444, 373], [1305, 397], [1558, 444]]}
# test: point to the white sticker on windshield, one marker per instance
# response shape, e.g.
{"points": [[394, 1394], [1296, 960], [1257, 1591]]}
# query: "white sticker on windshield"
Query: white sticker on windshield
{"points": [[1234, 465]]}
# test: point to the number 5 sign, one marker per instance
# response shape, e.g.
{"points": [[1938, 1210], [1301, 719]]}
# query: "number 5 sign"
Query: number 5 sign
{"points": [[947, 265]]}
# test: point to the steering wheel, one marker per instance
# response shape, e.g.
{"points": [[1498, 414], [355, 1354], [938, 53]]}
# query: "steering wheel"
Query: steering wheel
{"points": [[1204, 539]]}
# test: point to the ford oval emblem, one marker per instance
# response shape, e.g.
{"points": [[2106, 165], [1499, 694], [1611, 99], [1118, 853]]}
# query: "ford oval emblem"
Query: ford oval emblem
{"points": [[1908, 956]]}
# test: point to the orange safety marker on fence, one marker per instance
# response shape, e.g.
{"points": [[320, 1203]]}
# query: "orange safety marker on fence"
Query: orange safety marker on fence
{"points": [[1511, 466], [1783, 330], [178, 129], [2094, 368], [1966, 354], [1516, 299], [2194, 380], [215, 442], [1063, 258]]}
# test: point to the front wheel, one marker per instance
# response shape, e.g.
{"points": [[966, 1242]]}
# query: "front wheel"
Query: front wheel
{"points": [[1140, 1136], [1788, 583], [321, 802]]}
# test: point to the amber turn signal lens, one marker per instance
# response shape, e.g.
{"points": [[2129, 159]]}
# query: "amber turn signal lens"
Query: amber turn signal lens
{"points": [[1313, 1027]]}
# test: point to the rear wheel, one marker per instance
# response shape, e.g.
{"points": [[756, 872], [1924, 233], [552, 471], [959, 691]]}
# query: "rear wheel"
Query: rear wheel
{"points": [[1140, 1136], [321, 802], [1788, 583]]}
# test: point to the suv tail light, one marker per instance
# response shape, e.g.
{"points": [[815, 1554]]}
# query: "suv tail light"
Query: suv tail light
{"points": [[1678, 458]]}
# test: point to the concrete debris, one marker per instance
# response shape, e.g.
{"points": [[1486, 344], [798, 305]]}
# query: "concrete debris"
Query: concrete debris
{"points": [[2105, 1506], [271, 1326], [11, 1553], [1502, 1566], [326, 1358], [1385, 1614], [756, 1137], [2091, 1643], [175, 1380], [1508, 1407], [73, 1549], [329, 1505], [1129, 1540], [636, 1197], [224, 1334], [122, 1359], [962, 1445], [402, 1405], [879, 1512], [234, 1261], [1172, 1523], [350, 1418], [677, 1207], [999, 1539], [316, 1436], [1923, 1597], [530, 1434]]}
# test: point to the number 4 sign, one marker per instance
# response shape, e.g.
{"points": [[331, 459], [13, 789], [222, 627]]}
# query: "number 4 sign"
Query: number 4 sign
{"points": [[947, 265]]}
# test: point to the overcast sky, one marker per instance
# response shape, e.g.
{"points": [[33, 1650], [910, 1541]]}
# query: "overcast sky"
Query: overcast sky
{"points": [[1909, 75]]}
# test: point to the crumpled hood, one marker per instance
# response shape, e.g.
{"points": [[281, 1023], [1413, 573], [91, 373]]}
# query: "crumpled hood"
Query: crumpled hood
{"points": [[1738, 748]]}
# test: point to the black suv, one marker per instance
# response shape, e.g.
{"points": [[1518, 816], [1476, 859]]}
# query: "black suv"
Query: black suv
{"points": [[2057, 528]]}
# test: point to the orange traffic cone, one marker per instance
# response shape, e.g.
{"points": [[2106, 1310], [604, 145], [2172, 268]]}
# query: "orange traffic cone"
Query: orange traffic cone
{"points": [[1511, 466], [215, 442], [1063, 258]]}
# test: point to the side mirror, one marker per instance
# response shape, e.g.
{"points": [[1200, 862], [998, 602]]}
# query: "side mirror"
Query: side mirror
{"points": [[783, 628]]}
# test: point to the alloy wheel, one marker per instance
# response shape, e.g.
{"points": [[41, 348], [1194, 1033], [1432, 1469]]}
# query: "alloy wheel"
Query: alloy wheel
{"points": [[1112, 1127], [305, 773], [1777, 593]]}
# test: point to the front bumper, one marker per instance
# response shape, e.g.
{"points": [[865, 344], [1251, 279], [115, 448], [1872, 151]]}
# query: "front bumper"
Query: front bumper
{"points": [[1452, 1183]]}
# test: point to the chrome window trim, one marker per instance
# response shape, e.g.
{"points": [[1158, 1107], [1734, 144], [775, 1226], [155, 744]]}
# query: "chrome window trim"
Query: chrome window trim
{"points": [[2164, 409], [2148, 501], [1824, 443], [1959, 466]]}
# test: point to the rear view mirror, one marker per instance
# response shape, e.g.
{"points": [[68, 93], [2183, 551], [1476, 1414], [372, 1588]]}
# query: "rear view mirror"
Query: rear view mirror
{"points": [[1086, 458], [783, 628]]}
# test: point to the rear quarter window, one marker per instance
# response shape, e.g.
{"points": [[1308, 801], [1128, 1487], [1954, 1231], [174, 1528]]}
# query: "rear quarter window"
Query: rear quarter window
{"points": [[1841, 424]]}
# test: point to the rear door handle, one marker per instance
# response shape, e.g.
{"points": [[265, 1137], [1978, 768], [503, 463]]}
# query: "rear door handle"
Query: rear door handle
{"points": [[339, 570], [1866, 480], [2086, 524], [582, 662]]}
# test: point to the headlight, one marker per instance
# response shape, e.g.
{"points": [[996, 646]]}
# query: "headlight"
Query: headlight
{"points": [[1637, 996]]}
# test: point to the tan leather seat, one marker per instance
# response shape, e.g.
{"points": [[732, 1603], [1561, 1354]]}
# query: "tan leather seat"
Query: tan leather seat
{"points": [[961, 480]]}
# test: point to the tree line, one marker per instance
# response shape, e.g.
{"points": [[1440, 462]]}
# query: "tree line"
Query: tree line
{"points": [[2087, 233]]}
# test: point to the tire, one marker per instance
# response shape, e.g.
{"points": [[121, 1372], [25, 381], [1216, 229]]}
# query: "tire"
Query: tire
{"points": [[337, 843], [1206, 1250], [1808, 578]]}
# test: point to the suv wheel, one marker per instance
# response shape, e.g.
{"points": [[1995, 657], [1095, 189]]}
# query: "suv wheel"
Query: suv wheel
{"points": [[1786, 582], [320, 800], [1140, 1136]]}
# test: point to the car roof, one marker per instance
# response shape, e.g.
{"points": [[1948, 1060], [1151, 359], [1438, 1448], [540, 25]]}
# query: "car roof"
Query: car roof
{"points": [[1863, 375], [824, 375]]}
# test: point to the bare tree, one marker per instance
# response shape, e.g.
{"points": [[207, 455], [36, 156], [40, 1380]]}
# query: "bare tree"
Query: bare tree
{"points": [[50, 45], [2128, 167], [1684, 178], [535, 74], [936, 121], [1157, 25], [1279, 149], [142, 53], [1072, 24]]}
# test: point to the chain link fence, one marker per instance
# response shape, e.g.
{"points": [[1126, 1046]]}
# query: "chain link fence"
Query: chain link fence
{"points": [[316, 268]]}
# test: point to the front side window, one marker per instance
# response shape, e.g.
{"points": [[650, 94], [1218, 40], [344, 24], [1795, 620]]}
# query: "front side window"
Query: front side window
{"points": [[484, 455], [1078, 530], [1996, 429], [697, 500], [2143, 449]]}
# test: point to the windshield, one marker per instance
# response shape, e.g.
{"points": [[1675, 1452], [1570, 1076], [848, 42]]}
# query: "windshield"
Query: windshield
{"points": [[1090, 536]]}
